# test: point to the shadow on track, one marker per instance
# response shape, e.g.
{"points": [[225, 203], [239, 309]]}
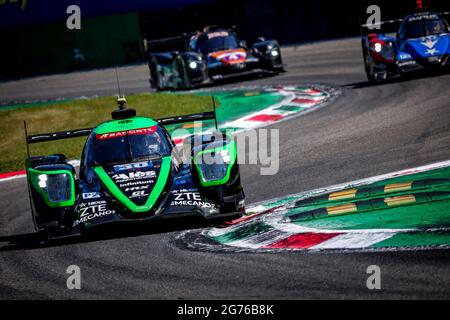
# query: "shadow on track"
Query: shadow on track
{"points": [[30, 241]]}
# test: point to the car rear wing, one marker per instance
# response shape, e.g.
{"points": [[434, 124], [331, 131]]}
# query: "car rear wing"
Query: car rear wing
{"points": [[386, 26], [52, 136], [211, 115], [203, 116], [179, 43], [56, 135]]}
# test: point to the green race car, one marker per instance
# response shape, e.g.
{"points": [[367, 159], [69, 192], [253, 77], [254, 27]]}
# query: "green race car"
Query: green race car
{"points": [[131, 171]]}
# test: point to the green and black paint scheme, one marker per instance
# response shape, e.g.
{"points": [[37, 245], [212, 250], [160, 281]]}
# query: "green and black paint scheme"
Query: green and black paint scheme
{"points": [[131, 171], [197, 59]]}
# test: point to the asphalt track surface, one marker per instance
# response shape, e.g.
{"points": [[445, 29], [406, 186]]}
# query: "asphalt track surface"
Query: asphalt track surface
{"points": [[369, 130]]}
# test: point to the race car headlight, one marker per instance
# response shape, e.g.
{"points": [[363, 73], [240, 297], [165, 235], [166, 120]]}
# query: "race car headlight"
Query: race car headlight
{"points": [[193, 65], [274, 53], [213, 172], [57, 188], [42, 181], [378, 47], [214, 165]]}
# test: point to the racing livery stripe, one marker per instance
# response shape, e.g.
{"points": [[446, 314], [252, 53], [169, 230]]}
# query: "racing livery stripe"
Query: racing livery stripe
{"points": [[259, 240], [302, 241], [266, 118], [353, 240]]}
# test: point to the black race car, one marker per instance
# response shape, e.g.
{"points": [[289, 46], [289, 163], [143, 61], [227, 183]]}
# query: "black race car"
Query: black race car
{"points": [[131, 171], [207, 56]]}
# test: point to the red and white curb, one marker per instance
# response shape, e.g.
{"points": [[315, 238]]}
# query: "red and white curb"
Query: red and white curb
{"points": [[280, 233], [303, 98]]}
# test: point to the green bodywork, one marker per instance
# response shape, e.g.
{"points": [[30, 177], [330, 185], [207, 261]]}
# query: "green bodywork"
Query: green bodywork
{"points": [[33, 176], [133, 123], [231, 148], [154, 195], [124, 124]]}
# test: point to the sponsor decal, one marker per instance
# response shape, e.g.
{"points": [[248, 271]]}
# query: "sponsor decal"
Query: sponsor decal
{"points": [[190, 198], [90, 195], [405, 56], [432, 51], [230, 57], [217, 34], [132, 166], [136, 183], [430, 43], [138, 194], [91, 210], [119, 134], [407, 63], [125, 177], [138, 188], [180, 181], [423, 17]]}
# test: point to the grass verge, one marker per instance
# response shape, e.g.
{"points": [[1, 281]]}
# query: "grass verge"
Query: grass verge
{"points": [[60, 116]]}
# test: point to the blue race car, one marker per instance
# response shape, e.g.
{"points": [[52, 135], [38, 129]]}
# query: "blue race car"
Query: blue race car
{"points": [[421, 43]]}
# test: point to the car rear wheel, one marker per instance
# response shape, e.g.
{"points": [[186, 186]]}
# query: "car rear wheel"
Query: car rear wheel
{"points": [[369, 69], [155, 80]]}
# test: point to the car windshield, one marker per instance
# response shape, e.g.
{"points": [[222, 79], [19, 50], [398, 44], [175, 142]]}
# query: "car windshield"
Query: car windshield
{"points": [[127, 146], [216, 41], [418, 29]]}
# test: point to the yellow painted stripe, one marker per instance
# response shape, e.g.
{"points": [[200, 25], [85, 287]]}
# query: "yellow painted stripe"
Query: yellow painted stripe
{"points": [[395, 201], [394, 187], [252, 93], [344, 194], [343, 208]]}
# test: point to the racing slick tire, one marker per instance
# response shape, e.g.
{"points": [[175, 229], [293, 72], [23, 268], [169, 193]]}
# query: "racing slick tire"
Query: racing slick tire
{"points": [[154, 76], [368, 68]]}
